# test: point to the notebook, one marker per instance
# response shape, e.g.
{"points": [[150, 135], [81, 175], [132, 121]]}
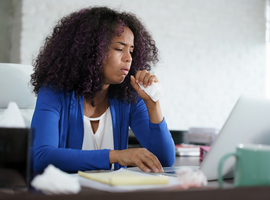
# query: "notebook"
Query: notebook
{"points": [[14, 158], [125, 178]]}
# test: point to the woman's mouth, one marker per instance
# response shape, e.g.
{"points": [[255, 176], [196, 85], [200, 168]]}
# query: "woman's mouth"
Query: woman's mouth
{"points": [[125, 70]]}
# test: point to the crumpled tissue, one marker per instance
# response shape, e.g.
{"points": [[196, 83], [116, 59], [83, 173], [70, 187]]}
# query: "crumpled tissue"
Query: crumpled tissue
{"points": [[55, 181], [155, 90], [12, 117], [190, 178]]}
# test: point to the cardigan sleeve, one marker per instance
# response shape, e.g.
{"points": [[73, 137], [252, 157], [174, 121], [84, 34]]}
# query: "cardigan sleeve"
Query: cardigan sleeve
{"points": [[50, 123], [154, 137]]}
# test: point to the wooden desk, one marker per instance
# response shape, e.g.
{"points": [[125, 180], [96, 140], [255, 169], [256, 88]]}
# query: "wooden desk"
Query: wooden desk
{"points": [[252, 193], [205, 193]]}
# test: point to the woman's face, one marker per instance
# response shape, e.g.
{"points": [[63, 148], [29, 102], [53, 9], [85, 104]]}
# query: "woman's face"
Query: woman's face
{"points": [[117, 64]]}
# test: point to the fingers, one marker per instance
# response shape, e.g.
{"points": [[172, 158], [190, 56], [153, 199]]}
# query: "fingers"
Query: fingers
{"points": [[145, 78], [137, 88], [141, 158], [143, 167], [153, 163], [133, 83], [147, 161]]}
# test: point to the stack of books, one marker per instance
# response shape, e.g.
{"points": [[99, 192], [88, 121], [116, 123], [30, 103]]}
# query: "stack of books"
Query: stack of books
{"points": [[187, 150], [191, 150]]}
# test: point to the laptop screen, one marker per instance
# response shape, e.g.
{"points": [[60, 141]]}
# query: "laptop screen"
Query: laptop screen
{"points": [[248, 123], [14, 157]]}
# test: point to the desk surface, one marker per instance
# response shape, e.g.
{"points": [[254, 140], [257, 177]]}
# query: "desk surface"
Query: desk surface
{"points": [[187, 161], [207, 193]]}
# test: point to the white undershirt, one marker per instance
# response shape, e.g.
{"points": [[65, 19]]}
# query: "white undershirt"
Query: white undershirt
{"points": [[88, 139]]}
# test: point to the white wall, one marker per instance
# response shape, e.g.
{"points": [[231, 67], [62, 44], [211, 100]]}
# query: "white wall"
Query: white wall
{"points": [[16, 31], [6, 13], [212, 51]]}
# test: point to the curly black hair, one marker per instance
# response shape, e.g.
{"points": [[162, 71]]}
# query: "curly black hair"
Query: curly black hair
{"points": [[72, 56]]}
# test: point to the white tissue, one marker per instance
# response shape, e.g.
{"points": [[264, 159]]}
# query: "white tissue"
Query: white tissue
{"points": [[191, 178], [12, 117], [155, 90], [55, 181]]}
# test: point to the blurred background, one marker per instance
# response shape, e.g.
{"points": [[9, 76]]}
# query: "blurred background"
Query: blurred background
{"points": [[211, 51]]}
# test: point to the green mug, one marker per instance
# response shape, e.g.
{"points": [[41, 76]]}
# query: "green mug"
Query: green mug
{"points": [[252, 165]]}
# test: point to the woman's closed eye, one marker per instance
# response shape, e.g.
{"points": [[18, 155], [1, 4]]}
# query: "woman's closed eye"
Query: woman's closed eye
{"points": [[131, 52]]}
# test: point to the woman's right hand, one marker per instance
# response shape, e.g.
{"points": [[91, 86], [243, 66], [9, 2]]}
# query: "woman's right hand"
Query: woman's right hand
{"points": [[139, 157]]}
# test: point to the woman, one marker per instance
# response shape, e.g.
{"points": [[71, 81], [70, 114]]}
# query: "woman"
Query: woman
{"points": [[86, 79]]}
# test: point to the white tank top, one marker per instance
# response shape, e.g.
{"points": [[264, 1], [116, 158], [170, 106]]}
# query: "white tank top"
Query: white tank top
{"points": [[102, 142]]}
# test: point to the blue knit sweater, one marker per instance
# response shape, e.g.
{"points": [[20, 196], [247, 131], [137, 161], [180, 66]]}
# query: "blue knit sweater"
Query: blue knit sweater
{"points": [[59, 131]]}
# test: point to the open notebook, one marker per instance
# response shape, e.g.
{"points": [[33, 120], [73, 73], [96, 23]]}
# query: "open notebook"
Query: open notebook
{"points": [[116, 181]]}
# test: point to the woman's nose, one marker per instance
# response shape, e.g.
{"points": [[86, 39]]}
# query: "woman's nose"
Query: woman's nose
{"points": [[127, 57]]}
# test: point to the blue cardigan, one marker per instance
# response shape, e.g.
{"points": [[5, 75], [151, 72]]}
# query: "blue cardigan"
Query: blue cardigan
{"points": [[59, 131]]}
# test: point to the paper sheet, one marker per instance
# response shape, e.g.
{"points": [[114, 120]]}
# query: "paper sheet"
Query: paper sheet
{"points": [[125, 188]]}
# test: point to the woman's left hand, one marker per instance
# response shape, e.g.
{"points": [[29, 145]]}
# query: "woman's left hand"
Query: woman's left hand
{"points": [[144, 78]]}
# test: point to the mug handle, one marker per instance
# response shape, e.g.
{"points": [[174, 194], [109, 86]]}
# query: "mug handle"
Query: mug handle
{"points": [[222, 160]]}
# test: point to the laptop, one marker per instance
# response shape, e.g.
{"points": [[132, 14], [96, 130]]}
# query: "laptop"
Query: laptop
{"points": [[248, 122], [14, 158]]}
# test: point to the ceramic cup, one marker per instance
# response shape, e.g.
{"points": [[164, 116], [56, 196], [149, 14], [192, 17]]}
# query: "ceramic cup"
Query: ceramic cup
{"points": [[252, 165]]}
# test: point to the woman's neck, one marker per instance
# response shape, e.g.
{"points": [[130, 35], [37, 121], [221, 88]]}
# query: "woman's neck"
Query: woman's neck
{"points": [[101, 103], [101, 95]]}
